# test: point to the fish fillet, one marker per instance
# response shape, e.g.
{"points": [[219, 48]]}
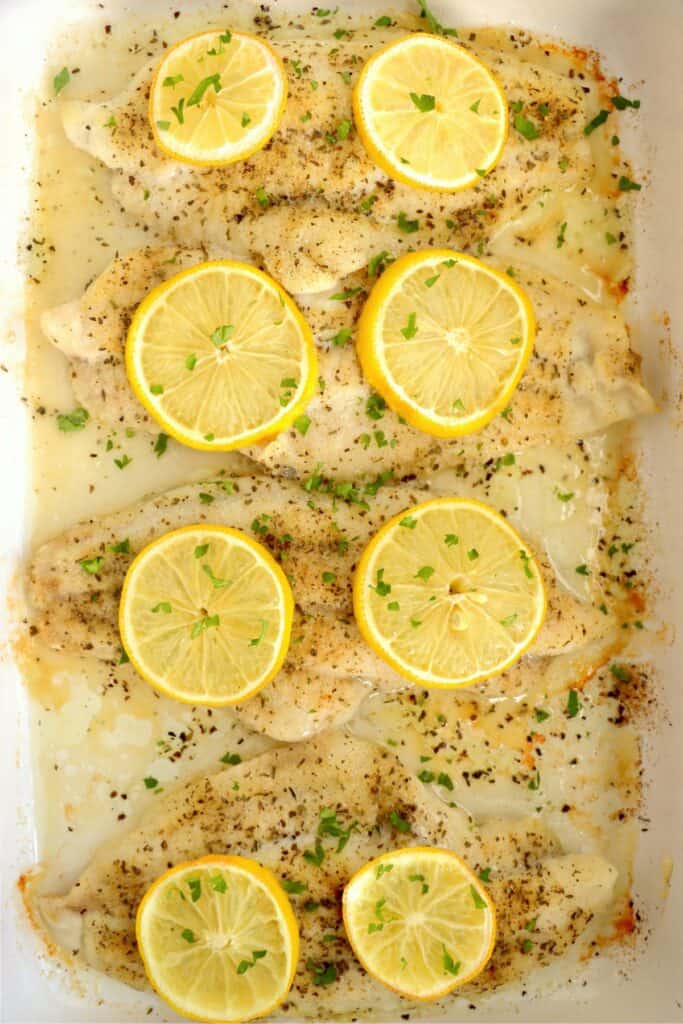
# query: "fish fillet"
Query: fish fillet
{"points": [[583, 375], [305, 158], [328, 669], [269, 808]]}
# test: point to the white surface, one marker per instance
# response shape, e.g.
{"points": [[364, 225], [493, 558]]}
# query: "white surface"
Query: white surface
{"points": [[640, 43]]}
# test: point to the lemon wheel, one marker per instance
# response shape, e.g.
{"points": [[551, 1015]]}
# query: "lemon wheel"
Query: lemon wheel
{"points": [[448, 593], [430, 114], [220, 356], [419, 921], [205, 615], [217, 97], [218, 939], [445, 339]]}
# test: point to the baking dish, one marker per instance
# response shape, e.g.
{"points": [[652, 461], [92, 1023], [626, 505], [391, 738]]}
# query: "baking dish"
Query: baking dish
{"points": [[639, 46]]}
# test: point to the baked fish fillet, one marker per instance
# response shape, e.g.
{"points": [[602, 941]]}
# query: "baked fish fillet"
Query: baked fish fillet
{"points": [[270, 808], [328, 669], [306, 159], [582, 377]]}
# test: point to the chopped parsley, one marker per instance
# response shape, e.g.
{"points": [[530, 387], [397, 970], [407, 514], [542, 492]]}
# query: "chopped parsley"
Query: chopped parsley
{"points": [[315, 856], [381, 588], [163, 606], [244, 965], [150, 782], [582, 570], [560, 235], [596, 122], [473, 554], [621, 103], [294, 887], [206, 83], [435, 25], [231, 759], [61, 79], [348, 293], [160, 445], [626, 185], [573, 704], [375, 406], [400, 823], [92, 565], [541, 715], [188, 935], [477, 899], [425, 572], [67, 422], [201, 625], [526, 558], [409, 522], [216, 580], [302, 423], [449, 964], [451, 539], [222, 334], [262, 197], [526, 128], [423, 101], [410, 329], [323, 974], [330, 826], [408, 227], [378, 263]]}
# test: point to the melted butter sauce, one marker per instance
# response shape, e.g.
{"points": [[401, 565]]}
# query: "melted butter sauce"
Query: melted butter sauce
{"points": [[97, 739]]}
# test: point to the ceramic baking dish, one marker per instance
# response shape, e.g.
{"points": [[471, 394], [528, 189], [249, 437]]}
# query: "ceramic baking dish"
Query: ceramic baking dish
{"points": [[640, 44]]}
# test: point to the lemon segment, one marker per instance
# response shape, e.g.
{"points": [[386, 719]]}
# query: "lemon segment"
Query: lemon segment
{"points": [[430, 114], [217, 97], [205, 615], [218, 939], [445, 339], [448, 593], [419, 921], [220, 356]]}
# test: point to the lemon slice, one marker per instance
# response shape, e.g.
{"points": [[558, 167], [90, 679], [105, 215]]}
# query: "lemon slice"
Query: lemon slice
{"points": [[430, 114], [444, 338], [218, 939], [448, 593], [205, 615], [217, 97], [419, 921], [220, 356]]}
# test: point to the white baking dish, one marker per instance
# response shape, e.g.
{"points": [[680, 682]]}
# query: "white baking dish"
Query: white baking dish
{"points": [[641, 45]]}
